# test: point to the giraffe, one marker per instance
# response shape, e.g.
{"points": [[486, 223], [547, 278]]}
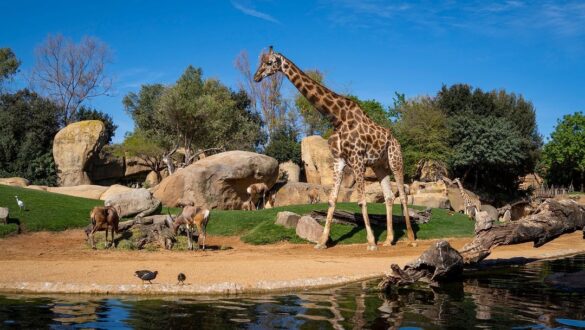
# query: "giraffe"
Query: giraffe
{"points": [[357, 142], [470, 206]]}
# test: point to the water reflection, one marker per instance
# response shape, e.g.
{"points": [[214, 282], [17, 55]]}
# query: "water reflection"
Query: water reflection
{"points": [[512, 297]]}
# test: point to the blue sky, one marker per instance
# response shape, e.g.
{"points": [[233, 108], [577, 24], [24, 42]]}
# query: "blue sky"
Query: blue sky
{"points": [[369, 48]]}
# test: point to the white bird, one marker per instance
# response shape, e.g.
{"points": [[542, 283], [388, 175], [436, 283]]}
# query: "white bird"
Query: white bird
{"points": [[20, 203]]}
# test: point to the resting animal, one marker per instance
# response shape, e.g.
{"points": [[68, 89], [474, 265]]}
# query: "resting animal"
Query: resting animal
{"points": [[103, 218], [193, 217]]}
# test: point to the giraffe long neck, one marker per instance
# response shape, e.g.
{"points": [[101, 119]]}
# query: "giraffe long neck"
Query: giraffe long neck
{"points": [[462, 191], [328, 103]]}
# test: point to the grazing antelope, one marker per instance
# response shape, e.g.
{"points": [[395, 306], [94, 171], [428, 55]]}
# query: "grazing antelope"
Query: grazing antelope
{"points": [[257, 191], [103, 218], [193, 217]]}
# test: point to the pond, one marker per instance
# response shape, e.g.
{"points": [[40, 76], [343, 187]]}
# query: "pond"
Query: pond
{"points": [[505, 297]]}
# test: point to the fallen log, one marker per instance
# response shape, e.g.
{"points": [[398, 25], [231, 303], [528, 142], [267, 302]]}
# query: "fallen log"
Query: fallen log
{"points": [[356, 219], [151, 229], [441, 262]]}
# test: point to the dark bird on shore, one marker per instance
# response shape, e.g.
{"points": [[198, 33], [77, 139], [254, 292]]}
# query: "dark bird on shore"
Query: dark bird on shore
{"points": [[146, 275], [181, 277]]}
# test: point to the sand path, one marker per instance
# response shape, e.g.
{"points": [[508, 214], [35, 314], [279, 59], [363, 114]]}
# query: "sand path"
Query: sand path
{"points": [[62, 263]]}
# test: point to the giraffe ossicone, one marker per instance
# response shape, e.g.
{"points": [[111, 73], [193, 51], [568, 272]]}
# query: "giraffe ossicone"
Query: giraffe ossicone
{"points": [[357, 142]]}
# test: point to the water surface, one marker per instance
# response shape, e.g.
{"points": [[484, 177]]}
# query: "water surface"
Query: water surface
{"points": [[513, 297]]}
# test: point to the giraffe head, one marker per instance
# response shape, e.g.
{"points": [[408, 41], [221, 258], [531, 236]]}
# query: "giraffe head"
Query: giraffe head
{"points": [[270, 63]]}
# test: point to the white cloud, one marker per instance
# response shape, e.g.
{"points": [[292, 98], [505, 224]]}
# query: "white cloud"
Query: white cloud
{"points": [[254, 13]]}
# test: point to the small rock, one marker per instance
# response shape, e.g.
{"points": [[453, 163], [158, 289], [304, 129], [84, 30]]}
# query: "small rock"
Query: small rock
{"points": [[506, 217], [309, 229], [287, 219], [3, 214]]}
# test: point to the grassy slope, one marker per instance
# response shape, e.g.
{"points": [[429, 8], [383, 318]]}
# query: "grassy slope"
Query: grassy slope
{"points": [[44, 210], [54, 212]]}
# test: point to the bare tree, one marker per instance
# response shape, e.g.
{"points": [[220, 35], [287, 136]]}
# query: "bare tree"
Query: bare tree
{"points": [[70, 73], [266, 96]]}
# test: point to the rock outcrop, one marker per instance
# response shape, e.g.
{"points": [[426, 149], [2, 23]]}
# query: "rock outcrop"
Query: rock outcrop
{"points": [[84, 191], [218, 181], [318, 163], [15, 181], [295, 193], [290, 171], [73, 147]]}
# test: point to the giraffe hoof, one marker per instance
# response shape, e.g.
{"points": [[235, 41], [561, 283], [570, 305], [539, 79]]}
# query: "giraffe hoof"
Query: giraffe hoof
{"points": [[388, 243], [412, 244], [320, 246], [372, 247]]}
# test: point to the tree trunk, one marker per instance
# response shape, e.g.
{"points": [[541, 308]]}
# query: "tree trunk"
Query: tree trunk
{"points": [[441, 262]]}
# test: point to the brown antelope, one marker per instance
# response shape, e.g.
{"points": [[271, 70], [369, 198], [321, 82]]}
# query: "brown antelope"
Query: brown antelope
{"points": [[193, 217], [103, 218], [314, 196], [257, 191]]}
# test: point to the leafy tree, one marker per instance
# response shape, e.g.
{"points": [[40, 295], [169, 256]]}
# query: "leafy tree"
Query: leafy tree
{"points": [[69, 73], [8, 64], [28, 124], [142, 108], [375, 110], [86, 113], [315, 123], [422, 132], [266, 96], [285, 145], [492, 135], [563, 157], [138, 144]]}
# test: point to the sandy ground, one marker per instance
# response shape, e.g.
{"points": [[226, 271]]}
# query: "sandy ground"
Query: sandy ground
{"points": [[62, 263]]}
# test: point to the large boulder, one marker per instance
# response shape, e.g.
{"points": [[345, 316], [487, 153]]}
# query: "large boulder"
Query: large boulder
{"points": [[456, 200], [114, 190], [491, 211], [73, 147], [134, 167], [531, 180], [287, 219], [428, 187], [291, 170], [218, 181], [318, 163], [14, 181], [105, 169], [434, 200], [84, 191], [309, 229], [294, 193], [373, 191], [137, 202]]}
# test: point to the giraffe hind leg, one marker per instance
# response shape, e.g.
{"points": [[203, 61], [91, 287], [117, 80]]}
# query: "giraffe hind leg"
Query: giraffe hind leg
{"points": [[396, 165], [389, 196]]}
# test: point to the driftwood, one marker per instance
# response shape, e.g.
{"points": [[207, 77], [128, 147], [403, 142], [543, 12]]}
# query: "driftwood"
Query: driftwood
{"points": [[152, 229], [356, 219], [441, 262]]}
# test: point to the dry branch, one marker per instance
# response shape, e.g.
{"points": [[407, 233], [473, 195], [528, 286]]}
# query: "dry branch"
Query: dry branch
{"points": [[441, 262]]}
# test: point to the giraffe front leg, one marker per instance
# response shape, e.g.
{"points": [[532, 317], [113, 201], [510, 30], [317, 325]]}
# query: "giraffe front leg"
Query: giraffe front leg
{"points": [[338, 167], [359, 171]]}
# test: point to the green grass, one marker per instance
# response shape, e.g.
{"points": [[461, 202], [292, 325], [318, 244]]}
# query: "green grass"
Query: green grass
{"points": [[54, 212], [257, 227], [44, 210]]}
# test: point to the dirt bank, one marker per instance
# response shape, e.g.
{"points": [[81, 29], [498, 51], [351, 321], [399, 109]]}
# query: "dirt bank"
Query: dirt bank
{"points": [[62, 263]]}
